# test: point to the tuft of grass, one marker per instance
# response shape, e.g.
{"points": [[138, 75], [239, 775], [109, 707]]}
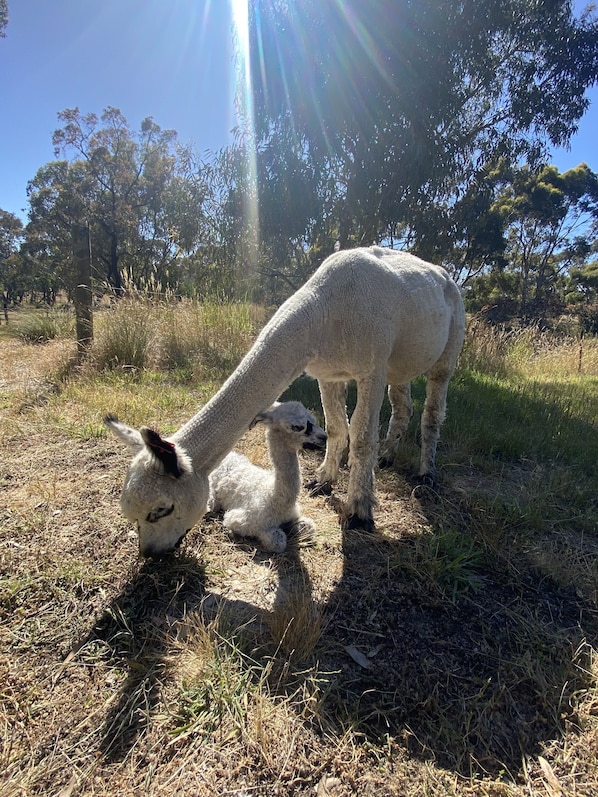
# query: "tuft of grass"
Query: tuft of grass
{"points": [[43, 326], [216, 678], [125, 336], [296, 624], [448, 562], [194, 339]]}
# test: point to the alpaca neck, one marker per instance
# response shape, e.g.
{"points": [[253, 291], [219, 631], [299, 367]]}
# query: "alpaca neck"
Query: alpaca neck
{"points": [[278, 356], [287, 471]]}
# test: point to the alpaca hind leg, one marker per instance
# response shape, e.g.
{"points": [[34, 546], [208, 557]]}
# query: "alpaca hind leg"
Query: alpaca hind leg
{"points": [[438, 378], [238, 521], [363, 449], [432, 418], [402, 410], [333, 396], [302, 531]]}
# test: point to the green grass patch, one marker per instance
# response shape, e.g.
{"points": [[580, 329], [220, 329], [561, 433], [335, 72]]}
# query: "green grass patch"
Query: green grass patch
{"points": [[40, 326]]}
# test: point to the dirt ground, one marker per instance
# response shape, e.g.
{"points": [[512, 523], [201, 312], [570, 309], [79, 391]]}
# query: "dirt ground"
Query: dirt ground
{"points": [[398, 663]]}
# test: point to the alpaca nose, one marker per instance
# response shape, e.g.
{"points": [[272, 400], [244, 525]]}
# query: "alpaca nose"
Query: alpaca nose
{"points": [[149, 552]]}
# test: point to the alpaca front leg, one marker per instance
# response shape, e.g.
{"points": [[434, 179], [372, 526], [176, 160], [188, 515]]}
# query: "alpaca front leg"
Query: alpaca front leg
{"points": [[333, 396], [402, 410], [363, 449]]}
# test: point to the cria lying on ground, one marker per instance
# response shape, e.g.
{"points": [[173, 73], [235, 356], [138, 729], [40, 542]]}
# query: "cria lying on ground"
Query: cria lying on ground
{"points": [[374, 315], [258, 502]]}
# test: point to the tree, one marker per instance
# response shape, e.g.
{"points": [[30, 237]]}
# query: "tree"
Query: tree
{"points": [[57, 199], [549, 219], [11, 233], [3, 17], [128, 188], [406, 104]]}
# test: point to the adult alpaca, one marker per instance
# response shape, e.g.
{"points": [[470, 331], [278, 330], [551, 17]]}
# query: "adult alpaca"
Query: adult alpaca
{"points": [[377, 316], [264, 503]]}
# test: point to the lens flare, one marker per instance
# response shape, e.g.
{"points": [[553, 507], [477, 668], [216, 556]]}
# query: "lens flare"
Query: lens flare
{"points": [[245, 111]]}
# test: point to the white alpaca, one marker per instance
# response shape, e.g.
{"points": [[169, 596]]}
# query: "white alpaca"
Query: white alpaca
{"points": [[263, 503], [374, 315]]}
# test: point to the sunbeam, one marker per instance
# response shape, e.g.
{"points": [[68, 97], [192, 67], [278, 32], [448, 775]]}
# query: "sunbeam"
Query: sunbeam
{"points": [[245, 110]]}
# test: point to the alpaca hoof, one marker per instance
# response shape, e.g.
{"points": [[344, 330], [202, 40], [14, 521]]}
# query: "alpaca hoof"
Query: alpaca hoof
{"points": [[428, 480], [302, 532], [314, 487], [274, 541], [356, 523]]}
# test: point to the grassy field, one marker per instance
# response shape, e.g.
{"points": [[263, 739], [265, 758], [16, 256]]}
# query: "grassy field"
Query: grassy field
{"points": [[453, 652]]}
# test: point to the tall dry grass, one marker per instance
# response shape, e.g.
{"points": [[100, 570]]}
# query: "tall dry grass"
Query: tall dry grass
{"points": [[189, 336]]}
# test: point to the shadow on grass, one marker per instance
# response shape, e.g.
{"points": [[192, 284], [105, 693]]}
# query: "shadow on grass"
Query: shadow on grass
{"points": [[473, 660], [470, 666], [476, 658], [133, 631]]}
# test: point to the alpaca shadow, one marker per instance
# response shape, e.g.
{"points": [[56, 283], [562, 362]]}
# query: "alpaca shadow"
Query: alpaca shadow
{"points": [[470, 668], [132, 630], [469, 656], [136, 633]]}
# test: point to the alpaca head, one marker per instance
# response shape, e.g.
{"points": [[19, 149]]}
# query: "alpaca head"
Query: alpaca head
{"points": [[293, 424], [162, 494]]}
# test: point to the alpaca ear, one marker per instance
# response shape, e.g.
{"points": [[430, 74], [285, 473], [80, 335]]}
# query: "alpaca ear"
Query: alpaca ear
{"points": [[259, 418], [262, 417], [130, 437], [166, 452], [265, 416]]}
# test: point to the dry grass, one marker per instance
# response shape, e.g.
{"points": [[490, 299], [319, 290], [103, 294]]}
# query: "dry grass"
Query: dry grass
{"points": [[450, 653]]}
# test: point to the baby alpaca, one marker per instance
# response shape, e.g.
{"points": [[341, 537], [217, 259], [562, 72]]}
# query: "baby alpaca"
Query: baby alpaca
{"points": [[259, 502]]}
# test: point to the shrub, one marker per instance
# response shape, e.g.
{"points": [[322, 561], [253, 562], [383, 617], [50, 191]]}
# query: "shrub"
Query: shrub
{"points": [[40, 327], [125, 335]]}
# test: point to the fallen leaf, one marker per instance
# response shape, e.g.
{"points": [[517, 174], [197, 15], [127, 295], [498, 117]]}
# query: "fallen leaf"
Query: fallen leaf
{"points": [[327, 786], [552, 782], [358, 657]]}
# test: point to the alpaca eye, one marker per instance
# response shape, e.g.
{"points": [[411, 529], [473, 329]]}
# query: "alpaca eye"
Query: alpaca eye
{"points": [[159, 512], [298, 428]]}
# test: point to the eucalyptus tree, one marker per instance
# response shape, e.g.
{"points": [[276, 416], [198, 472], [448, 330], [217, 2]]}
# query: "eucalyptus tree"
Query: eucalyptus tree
{"points": [[404, 105], [550, 221], [133, 197], [11, 277], [56, 199]]}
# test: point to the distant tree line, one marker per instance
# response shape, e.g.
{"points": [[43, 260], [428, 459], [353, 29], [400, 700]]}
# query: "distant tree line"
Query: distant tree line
{"points": [[425, 126]]}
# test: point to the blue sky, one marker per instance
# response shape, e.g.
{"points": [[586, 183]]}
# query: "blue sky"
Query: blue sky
{"points": [[169, 59]]}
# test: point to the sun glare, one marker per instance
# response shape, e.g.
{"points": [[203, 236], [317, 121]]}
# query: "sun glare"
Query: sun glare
{"points": [[244, 101]]}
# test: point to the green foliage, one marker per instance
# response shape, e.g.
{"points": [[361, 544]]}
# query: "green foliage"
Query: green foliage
{"points": [[42, 326], [407, 105], [128, 186], [11, 232], [449, 562], [547, 221], [194, 339]]}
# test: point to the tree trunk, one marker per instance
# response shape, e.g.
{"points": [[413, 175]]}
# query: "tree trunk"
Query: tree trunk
{"points": [[83, 294]]}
